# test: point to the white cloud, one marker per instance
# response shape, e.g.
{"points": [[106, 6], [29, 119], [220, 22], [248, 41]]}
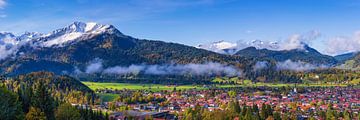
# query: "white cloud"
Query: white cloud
{"points": [[210, 68], [6, 50], [95, 66], [298, 66], [298, 41], [261, 65], [2, 4], [342, 44], [3, 15], [249, 31]]}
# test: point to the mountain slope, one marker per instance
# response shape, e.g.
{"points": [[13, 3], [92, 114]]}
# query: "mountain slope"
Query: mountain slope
{"points": [[75, 49], [344, 57], [309, 55], [59, 54], [352, 61]]}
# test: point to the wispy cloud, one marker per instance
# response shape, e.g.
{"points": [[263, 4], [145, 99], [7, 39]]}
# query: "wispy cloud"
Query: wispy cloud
{"points": [[3, 15], [298, 41], [2, 4], [298, 66], [209, 68], [343, 44]]}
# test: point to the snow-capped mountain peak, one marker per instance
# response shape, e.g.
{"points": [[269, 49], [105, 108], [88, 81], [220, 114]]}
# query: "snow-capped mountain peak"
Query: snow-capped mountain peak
{"points": [[73, 32], [27, 36], [218, 46], [231, 48], [77, 31], [80, 27], [7, 38], [6, 35]]}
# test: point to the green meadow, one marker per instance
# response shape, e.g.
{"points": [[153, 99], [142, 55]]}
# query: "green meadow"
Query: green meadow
{"points": [[158, 87], [106, 97], [150, 87]]}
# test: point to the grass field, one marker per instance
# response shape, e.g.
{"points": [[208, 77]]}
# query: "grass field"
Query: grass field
{"points": [[106, 97], [151, 87], [157, 87]]}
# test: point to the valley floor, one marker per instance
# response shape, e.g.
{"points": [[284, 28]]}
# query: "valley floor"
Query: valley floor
{"points": [[158, 87], [287, 100]]}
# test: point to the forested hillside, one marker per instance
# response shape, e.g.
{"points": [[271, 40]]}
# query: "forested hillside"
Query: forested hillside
{"points": [[43, 95], [308, 55]]}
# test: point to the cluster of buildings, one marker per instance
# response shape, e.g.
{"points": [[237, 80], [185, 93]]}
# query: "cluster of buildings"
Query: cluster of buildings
{"points": [[307, 101]]}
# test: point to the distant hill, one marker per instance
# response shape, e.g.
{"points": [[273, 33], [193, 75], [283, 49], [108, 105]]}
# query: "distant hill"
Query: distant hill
{"points": [[344, 57], [63, 88], [308, 55], [352, 61]]}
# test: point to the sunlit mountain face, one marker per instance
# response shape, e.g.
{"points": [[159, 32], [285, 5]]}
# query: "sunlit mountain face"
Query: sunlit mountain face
{"points": [[73, 48]]}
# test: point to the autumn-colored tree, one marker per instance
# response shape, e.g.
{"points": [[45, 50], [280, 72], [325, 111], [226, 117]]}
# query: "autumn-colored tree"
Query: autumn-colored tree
{"points": [[35, 114]]}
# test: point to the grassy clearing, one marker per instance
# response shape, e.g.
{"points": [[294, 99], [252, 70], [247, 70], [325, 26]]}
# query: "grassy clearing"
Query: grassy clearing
{"points": [[151, 87], [107, 97]]}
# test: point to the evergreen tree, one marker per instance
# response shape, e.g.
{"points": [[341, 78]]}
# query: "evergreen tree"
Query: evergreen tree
{"points": [[67, 112], [277, 116], [248, 115], [263, 112], [10, 107], [346, 115], [25, 93], [322, 114], [269, 110], [330, 114], [43, 100], [255, 108]]}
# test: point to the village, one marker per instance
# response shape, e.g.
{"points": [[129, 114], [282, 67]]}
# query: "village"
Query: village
{"points": [[303, 101]]}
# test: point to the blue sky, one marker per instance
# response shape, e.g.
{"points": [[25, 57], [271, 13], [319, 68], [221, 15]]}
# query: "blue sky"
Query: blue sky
{"points": [[193, 22]]}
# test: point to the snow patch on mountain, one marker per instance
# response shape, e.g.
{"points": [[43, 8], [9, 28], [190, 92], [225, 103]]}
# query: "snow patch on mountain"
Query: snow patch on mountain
{"points": [[9, 43], [224, 47], [72, 32], [218, 47], [62, 39], [294, 42]]}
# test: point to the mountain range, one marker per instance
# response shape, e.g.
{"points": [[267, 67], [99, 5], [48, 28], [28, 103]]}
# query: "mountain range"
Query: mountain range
{"points": [[79, 44], [263, 50], [77, 47]]}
